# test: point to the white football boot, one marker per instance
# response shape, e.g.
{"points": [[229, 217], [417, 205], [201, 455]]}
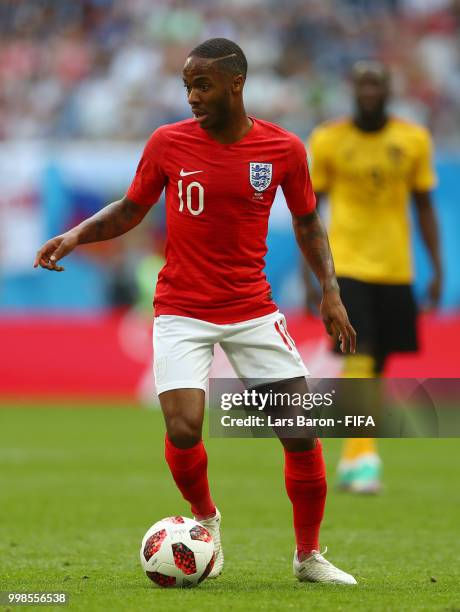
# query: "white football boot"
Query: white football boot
{"points": [[316, 568], [213, 526]]}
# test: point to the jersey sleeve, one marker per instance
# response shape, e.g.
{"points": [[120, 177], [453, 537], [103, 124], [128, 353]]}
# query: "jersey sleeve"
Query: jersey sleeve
{"points": [[150, 178], [320, 174], [424, 177], [297, 187]]}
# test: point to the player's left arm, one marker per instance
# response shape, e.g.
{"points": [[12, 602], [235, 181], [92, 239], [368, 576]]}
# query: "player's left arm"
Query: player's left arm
{"points": [[319, 169], [430, 234], [312, 239], [313, 242], [423, 181]]}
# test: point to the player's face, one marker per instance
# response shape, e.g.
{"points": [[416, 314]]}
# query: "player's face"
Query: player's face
{"points": [[210, 92], [371, 93]]}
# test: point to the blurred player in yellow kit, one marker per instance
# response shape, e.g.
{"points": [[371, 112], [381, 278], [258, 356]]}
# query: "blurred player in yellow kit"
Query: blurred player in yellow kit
{"points": [[369, 165]]}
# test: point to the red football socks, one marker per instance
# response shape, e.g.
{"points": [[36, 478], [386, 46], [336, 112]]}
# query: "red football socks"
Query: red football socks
{"points": [[189, 468], [305, 478]]}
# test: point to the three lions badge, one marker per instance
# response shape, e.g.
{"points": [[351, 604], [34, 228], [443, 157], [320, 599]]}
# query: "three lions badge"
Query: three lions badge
{"points": [[260, 175]]}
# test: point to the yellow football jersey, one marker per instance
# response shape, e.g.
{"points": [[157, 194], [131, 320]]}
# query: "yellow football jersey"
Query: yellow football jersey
{"points": [[369, 177]]}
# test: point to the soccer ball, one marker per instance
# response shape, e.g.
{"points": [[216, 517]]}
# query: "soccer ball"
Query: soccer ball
{"points": [[177, 552]]}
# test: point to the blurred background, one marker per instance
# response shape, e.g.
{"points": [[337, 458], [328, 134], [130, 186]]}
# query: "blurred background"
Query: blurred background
{"points": [[83, 83]]}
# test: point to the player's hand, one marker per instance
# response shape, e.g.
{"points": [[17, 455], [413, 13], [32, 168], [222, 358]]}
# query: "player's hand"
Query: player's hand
{"points": [[54, 250], [336, 321]]}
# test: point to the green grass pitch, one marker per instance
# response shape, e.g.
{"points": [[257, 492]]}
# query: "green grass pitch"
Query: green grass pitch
{"points": [[81, 486]]}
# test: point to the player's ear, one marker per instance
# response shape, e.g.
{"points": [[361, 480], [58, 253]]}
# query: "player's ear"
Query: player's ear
{"points": [[238, 83]]}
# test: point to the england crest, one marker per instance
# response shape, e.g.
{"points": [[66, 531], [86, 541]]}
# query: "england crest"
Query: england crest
{"points": [[260, 175]]}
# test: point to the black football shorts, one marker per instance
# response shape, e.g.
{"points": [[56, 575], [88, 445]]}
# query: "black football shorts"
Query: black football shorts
{"points": [[384, 316]]}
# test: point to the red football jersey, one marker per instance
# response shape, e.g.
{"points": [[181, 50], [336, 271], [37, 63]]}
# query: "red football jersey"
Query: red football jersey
{"points": [[218, 200]]}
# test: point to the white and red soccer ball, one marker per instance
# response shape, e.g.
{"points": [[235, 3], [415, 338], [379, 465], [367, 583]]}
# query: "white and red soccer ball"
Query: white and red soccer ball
{"points": [[177, 552]]}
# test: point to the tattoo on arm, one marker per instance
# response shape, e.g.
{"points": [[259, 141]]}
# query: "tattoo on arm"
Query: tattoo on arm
{"points": [[113, 220], [313, 241]]}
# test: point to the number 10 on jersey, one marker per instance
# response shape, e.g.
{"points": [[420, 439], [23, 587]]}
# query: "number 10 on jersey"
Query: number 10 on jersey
{"points": [[190, 195]]}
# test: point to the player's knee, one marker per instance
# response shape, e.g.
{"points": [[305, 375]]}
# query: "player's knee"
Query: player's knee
{"points": [[183, 433], [297, 445]]}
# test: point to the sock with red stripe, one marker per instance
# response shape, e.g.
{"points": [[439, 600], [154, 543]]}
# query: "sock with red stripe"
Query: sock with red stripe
{"points": [[305, 478], [189, 468]]}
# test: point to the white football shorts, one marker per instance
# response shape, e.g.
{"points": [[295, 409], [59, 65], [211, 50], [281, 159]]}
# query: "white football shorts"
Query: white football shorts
{"points": [[260, 350]]}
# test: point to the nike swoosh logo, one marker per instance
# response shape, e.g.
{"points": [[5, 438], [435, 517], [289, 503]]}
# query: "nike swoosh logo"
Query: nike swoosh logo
{"points": [[183, 173]]}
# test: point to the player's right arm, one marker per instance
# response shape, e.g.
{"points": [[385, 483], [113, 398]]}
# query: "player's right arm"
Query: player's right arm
{"points": [[118, 217], [114, 220]]}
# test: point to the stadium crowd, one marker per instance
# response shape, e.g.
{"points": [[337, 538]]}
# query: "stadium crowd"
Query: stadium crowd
{"points": [[110, 69]]}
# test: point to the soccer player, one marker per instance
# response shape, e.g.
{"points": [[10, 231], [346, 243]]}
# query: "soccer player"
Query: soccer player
{"points": [[369, 165], [221, 170]]}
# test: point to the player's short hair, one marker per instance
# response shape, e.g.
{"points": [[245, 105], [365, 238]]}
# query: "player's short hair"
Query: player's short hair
{"points": [[228, 54], [373, 67]]}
